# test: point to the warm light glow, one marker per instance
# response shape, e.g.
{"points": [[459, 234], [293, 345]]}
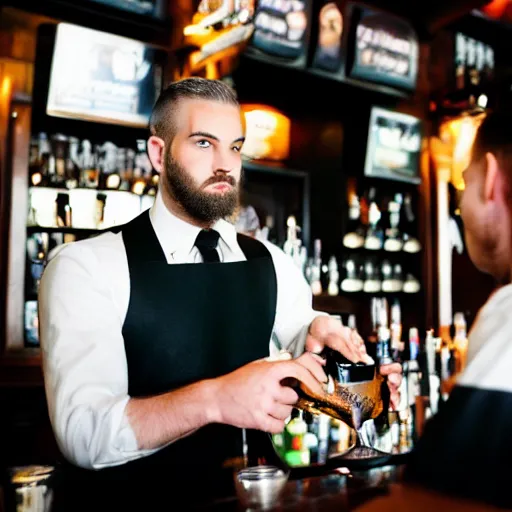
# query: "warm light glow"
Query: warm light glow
{"points": [[197, 30], [482, 101], [452, 152], [6, 88], [267, 133], [496, 8]]}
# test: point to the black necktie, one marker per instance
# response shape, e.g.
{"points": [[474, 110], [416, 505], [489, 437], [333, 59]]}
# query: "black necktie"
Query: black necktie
{"points": [[206, 242]]}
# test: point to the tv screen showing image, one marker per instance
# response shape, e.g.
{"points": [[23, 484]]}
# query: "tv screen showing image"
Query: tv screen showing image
{"points": [[328, 52], [384, 49], [151, 8], [394, 146], [281, 30], [474, 62], [101, 77]]}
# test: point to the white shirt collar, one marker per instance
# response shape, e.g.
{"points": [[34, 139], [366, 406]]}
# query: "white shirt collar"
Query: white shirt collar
{"points": [[178, 236]]}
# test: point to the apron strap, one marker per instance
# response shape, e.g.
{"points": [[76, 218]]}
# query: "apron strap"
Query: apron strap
{"points": [[252, 248], [141, 242]]}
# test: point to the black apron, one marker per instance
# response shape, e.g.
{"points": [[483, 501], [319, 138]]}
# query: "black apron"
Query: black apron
{"points": [[185, 323]]}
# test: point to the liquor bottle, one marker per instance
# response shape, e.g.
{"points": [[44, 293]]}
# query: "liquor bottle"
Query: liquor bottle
{"points": [[334, 277], [408, 227], [89, 166], [397, 345], [383, 335], [44, 160], [296, 452], [59, 153], [73, 170], [394, 241], [387, 277], [352, 283], [372, 279], [373, 337], [142, 170], [460, 341], [110, 177], [34, 164], [434, 382], [316, 269], [411, 284], [374, 235], [355, 235]]}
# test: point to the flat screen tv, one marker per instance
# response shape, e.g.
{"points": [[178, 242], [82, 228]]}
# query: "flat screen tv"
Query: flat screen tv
{"points": [[281, 32], [394, 146], [101, 77], [153, 8], [328, 55], [382, 49], [474, 62]]}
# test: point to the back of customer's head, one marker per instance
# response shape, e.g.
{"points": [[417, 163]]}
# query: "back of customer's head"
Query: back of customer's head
{"points": [[486, 207]]}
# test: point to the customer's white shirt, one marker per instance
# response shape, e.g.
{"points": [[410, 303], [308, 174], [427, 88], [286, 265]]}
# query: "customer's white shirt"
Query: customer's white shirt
{"points": [[490, 345], [83, 301]]}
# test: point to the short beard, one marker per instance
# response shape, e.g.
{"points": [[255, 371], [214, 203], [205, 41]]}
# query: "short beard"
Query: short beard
{"points": [[201, 206]]}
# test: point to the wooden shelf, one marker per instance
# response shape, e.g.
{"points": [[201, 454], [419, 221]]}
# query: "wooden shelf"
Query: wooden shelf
{"points": [[274, 167], [21, 368]]}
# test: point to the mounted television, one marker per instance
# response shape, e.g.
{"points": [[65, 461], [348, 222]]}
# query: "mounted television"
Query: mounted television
{"points": [[394, 146], [328, 55], [101, 77], [153, 8], [281, 32], [382, 49], [474, 62]]}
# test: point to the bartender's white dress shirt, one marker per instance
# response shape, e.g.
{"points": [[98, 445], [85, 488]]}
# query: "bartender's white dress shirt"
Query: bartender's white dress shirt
{"points": [[83, 301]]}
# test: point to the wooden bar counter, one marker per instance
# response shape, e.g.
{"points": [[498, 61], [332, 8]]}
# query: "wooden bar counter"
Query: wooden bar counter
{"points": [[378, 489]]}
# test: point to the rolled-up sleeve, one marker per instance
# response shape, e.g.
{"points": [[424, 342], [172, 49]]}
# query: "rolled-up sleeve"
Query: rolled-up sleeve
{"points": [[84, 361]]}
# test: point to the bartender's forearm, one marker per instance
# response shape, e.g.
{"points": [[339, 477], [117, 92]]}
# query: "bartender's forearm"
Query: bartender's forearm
{"points": [[159, 420]]}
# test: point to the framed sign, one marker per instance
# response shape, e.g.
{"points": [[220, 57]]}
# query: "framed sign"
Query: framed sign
{"points": [[328, 52], [394, 146], [281, 31], [102, 77], [383, 49]]}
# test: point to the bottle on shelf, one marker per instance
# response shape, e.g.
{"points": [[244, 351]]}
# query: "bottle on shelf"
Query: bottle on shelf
{"points": [[374, 235], [351, 283], [355, 233], [89, 164], [73, 170], [408, 227], [293, 244], [394, 240], [397, 345], [434, 382], [372, 279], [411, 284], [110, 178], [316, 269], [334, 277], [383, 334], [460, 341], [60, 149]]}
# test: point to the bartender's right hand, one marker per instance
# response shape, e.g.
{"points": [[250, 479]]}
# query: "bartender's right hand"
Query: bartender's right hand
{"points": [[255, 397]]}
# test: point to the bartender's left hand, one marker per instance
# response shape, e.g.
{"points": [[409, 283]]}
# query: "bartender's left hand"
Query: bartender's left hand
{"points": [[326, 331]]}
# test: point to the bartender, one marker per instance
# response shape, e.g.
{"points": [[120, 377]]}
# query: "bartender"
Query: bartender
{"points": [[156, 338]]}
